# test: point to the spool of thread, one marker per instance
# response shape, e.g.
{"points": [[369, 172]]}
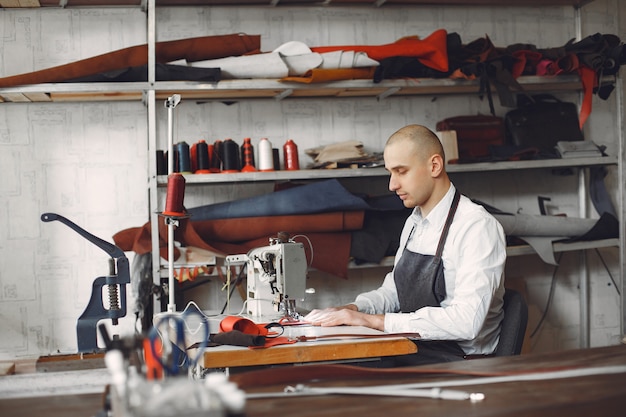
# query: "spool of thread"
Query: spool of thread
{"points": [[175, 195], [161, 162], [247, 156], [203, 162], [266, 159], [216, 159], [184, 157], [213, 160], [230, 163], [276, 158], [194, 157], [290, 156]]}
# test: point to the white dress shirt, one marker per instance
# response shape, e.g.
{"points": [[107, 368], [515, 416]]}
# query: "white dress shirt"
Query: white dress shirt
{"points": [[473, 259]]}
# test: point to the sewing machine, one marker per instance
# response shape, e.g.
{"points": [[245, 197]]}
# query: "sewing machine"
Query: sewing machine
{"points": [[276, 277]]}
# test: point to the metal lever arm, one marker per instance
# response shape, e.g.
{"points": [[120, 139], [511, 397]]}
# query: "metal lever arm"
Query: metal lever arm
{"points": [[109, 248]]}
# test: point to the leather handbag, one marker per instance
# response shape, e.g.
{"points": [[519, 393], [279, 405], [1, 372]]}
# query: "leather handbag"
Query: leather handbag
{"points": [[542, 121], [475, 135]]}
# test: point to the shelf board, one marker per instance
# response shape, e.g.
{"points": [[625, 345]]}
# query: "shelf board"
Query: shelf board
{"points": [[521, 250], [75, 92], [316, 174], [532, 164], [377, 3], [301, 174], [267, 89], [564, 247]]}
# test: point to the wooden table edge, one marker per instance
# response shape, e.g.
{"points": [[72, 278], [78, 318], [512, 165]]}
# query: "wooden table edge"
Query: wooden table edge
{"points": [[304, 352]]}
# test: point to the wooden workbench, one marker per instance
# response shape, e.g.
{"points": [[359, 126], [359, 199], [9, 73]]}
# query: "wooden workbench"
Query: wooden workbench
{"points": [[327, 350]]}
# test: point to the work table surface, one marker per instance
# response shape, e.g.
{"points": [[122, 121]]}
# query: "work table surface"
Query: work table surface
{"points": [[595, 395]]}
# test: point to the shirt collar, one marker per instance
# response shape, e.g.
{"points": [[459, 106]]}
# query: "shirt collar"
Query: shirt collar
{"points": [[439, 213]]}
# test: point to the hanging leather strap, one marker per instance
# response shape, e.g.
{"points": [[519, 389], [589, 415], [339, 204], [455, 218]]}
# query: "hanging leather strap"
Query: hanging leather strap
{"points": [[446, 227]]}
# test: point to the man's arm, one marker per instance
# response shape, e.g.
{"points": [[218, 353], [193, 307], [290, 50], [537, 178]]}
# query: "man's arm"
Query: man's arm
{"points": [[345, 315]]}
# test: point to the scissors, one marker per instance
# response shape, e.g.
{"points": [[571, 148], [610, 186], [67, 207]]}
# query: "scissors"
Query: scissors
{"points": [[167, 340]]}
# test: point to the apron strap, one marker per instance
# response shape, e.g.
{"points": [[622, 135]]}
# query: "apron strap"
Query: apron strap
{"points": [[446, 227]]}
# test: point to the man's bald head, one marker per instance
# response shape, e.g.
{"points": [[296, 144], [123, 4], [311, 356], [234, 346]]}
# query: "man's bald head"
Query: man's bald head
{"points": [[422, 140]]}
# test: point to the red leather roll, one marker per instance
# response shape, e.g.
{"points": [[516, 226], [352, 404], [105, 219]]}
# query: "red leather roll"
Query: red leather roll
{"points": [[431, 51]]}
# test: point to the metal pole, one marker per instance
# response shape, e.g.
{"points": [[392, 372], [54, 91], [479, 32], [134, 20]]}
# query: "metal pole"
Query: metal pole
{"points": [[171, 103]]}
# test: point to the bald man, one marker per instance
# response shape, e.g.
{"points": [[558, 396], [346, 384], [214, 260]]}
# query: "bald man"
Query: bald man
{"points": [[454, 300]]}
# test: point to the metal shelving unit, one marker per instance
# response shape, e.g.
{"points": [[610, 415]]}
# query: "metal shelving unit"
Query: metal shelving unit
{"points": [[313, 174], [152, 93]]}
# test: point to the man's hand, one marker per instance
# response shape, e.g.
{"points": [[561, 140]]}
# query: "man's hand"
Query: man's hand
{"points": [[346, 315]]}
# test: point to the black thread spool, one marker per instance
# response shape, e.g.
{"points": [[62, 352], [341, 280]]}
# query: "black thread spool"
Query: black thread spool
{"points": [[202, 158], [231, 156], [276, 159], [213, 160], [218, 157], [184, 158], [161, 162], [175, 195]]}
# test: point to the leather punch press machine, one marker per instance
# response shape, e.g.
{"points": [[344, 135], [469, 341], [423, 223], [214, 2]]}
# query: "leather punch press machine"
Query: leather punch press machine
{"points": [[115, 283]]}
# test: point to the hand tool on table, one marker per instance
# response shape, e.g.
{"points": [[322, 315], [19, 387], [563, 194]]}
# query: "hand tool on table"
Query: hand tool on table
{"points": [[169, 339]]}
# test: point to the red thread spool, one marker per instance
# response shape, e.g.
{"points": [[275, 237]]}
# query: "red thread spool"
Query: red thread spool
{"points": [[247, 156], [175, 195], [193, 153], [290, 156]]}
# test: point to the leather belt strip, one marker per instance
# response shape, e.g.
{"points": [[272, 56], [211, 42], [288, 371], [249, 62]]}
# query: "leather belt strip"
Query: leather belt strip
{"points": [[406, 389], [304, 338]]}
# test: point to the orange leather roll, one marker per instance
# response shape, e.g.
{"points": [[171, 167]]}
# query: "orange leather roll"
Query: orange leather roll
{"points": [[323, 75], [431, 51], [244, 325], [249, 228], [192, 49]]}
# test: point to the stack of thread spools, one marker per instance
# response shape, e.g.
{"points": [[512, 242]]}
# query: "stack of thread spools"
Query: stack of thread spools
{"points": [[227, 156]]}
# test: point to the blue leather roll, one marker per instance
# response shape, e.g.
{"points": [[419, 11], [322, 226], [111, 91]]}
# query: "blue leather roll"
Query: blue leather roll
{"points": [[318, 197]]}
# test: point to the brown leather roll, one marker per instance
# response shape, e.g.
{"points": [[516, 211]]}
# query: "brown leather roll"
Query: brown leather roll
{"points": [[331, 250], [192, 49], [248, 228]]}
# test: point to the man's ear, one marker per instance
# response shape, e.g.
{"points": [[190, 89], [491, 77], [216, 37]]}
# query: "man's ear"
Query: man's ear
{"points": [[437, 165]]}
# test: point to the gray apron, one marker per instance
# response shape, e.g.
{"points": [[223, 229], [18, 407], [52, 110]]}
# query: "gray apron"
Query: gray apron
{"points": [[419, 278]]}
